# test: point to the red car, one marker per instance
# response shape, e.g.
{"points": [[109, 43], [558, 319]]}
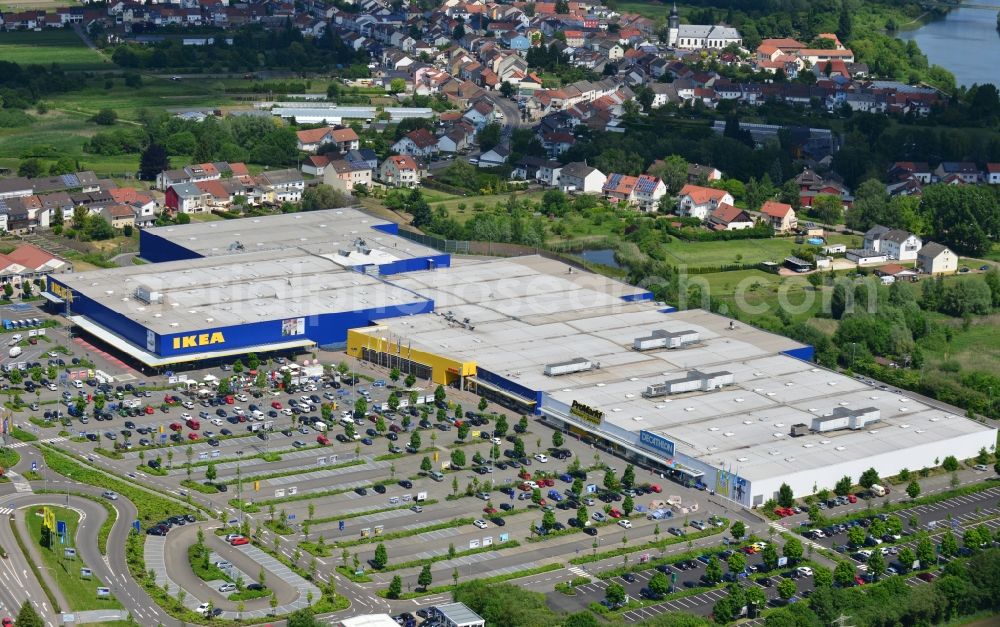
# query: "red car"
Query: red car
{"points": [[614, 513], [524, 487], [851, 498], [859, 581], [7, 622], [524, 474], [548, 482], [176, 426], [655, 487], [490, 510], [239, 541], [750, 550], [275, 404], [192, 436], [149, 409], [322, 439]]}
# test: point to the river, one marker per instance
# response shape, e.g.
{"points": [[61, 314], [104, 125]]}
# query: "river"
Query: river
{"points": [[966, 42]]}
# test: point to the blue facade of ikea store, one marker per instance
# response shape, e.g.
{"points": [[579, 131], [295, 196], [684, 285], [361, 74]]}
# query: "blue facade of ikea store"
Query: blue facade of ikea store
{"points": [[324, 329], [157, 249]]}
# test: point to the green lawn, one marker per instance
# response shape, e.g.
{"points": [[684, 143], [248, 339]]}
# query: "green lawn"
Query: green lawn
{"points": [[755, 293], [81, 594], [975, 348], [60, 46], [472, 204], [737, 251]]}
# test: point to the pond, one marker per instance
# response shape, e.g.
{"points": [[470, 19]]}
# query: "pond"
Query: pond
{"points": [[603, 256]]}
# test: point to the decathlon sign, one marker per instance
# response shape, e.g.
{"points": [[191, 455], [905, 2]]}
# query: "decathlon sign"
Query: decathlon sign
{"points": [[658, 443]]}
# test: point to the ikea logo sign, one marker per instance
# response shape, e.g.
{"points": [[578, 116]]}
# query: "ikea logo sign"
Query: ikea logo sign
{"points": [[200, 339], [656, 442]]}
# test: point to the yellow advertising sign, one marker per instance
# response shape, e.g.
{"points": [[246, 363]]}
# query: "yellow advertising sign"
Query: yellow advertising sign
{"points": [[586, 412]]}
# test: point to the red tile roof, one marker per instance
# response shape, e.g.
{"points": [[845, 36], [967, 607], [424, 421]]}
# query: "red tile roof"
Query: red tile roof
{"points": [[701, 195], [775, 209]]}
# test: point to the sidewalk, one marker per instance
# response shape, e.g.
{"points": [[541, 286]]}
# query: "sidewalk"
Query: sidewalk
{"points": [[35, 551]]}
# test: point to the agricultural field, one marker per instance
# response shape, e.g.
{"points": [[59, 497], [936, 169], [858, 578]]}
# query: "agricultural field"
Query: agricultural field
{"points": [[60, 46]]}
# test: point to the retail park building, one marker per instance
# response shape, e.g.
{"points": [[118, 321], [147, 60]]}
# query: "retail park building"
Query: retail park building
{"points": [[688, 394]]}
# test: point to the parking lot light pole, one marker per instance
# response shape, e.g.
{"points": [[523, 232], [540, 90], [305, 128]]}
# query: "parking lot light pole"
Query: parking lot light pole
{"points": [[239, 485]]}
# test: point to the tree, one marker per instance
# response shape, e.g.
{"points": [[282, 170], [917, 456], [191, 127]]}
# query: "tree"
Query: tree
{"points": [[397, 86], [425, 464], [415, 441], [856, 535], [628, 505], [394, 375], [611, 481], [360, 409], [323, 197], [628, 477], [557, 439], [713, 570], [906, 558], [210, 472], [439, 394], [425, 578], [29, 168], [673, 171], [822, 577], [458, 458], [793, 549], [395, 587], [105, 117], [913, 489], [738, 529], [786, 589], [785, 496], [949, 544], [548, 521], [828, 209], [463, 430], [489, 136], [843, 574], [868, 479], [582, 515], [381, 557], [28, 616], [736, 562], [770, 556], [409, 382], [615, 594], [925, 551], [659, 584], [876, 564], [950, 463], [518, 448], [522, 424], [500, 427]]}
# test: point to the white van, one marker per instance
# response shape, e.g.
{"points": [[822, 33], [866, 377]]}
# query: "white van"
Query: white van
{"points": [[77, 383]]}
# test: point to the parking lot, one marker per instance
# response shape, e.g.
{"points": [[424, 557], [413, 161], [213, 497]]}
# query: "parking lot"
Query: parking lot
{"points": [[351, 485]]}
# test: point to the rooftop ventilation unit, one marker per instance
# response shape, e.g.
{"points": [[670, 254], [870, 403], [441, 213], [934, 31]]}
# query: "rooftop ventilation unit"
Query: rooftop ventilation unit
{"points": [[665, 339], [799, 430], [694, 380], [568, 367], [145, 295], [845, 418]]}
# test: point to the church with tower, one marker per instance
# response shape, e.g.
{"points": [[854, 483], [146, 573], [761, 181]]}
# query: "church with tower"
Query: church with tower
{"points": [[698, 36]]}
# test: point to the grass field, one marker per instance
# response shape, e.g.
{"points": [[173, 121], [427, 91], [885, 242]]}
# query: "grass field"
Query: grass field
{"points": [[16, 6], [451, 202], [81, 594], [975, 348], [741, 251], [62, 47], [755, 293]]}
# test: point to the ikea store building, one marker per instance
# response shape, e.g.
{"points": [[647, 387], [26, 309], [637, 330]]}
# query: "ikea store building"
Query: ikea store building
{"points": [[690, 395]]}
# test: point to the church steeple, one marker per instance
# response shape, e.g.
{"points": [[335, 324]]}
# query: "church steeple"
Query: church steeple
{"points": [[673, 23]]}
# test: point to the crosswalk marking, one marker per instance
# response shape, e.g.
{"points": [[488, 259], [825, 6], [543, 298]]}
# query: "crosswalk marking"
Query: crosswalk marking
{"points": [[6, 511], [579, 572]]}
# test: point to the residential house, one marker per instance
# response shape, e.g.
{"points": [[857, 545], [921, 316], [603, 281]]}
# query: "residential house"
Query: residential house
{"points": [[936, 258], [699, 202], [896, 244], [965, 171], [315, 165], [780, 216], [15, 187], [119, 216], [495, 157], [456, 140], [812, 185], [696, 174], [417, 143], [28, 262], [726, 217], [865, 257], [344, 137], [904, 170], [283, 185], [186, 198], [346, 176], [580, 177], [364, 156], [993, 173], [643, 192], [480, 114], [400, 171]]}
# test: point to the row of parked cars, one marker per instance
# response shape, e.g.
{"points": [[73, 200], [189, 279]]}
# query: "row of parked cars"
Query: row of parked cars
{"points": [[161, 528]]}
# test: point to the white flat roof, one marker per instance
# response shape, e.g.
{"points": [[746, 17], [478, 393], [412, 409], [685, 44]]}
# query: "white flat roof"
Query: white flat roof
{"points": [[323, 232], [215, 292]]}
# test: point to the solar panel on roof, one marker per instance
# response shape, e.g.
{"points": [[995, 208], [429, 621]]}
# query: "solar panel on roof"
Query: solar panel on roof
{"points": [[70, 180]]}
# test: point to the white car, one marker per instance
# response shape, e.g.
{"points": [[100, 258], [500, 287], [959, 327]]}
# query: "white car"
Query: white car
{"points": [[625, 523], [204, 608], [541, 458], [242, 398], [227, 587], [479, 522], [217, 422], [286, 411], [223, 564], [497, 441], [804, 571], [185, 416]]}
